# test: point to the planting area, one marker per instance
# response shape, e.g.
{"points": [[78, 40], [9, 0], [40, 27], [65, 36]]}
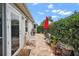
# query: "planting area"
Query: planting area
{"points": [[64, 34]]}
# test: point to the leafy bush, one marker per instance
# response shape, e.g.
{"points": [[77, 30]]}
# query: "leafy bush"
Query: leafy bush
{"points": [[39, 29], [66, 30], [53, 39]]}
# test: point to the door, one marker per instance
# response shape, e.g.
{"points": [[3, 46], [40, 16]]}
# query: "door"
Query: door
{"points": [[1, 38], [14, 33]]}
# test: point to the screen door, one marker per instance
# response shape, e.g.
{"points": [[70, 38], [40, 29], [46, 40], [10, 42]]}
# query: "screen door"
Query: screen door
{"points": [[1, 38]]}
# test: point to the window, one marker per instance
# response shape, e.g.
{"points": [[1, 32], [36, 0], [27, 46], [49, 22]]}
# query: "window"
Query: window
{"points": [[14, 32], [26, 26], [34, 25]]}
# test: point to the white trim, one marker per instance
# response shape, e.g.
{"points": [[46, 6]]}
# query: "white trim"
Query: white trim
{"points": [[10, 10]]}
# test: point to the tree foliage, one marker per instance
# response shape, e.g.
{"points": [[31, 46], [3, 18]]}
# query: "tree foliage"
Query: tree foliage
{"points": [[66, 30], [40, 27], [49, 19]]}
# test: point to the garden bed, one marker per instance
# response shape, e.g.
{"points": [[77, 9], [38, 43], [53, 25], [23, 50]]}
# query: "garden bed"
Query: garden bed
{"points": [[60, 49]]}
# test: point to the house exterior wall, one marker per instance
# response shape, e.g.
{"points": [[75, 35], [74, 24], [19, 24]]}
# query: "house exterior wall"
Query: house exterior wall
{"points": [[30, 27], [10, 9]]}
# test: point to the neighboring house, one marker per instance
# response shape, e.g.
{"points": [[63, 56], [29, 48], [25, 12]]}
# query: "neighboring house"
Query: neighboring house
{"points": [[15, 20]]}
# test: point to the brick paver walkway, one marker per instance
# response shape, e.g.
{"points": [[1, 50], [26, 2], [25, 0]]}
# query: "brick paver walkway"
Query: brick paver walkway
{"points": [[41, 48]]}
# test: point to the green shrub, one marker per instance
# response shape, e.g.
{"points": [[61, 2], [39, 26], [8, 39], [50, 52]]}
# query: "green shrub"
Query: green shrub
{"points": [[66, 30], [39, 29], [54, 39]]}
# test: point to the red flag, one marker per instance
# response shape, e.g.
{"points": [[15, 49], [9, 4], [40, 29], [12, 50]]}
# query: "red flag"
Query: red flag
{"points": [[46, 23]]}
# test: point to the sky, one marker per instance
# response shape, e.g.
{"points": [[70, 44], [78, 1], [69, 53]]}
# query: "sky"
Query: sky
{"points": [[39, 11]]}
